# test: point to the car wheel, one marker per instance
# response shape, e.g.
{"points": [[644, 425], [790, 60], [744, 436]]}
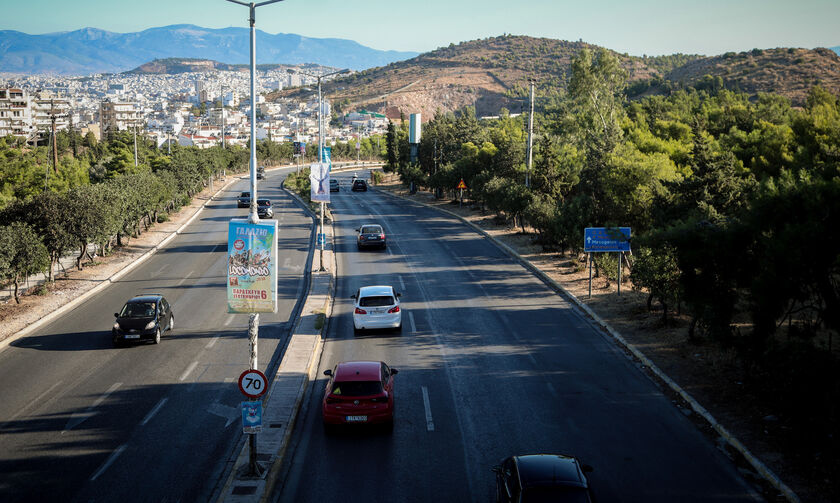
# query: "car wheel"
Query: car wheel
{"points": [[389, 426], [399, 328], [356, 331], [329, 429], [171, 322], [157, 335], [117, 342]]}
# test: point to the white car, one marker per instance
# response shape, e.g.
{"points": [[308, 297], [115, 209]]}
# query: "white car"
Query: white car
{"points": [[376, 307]]}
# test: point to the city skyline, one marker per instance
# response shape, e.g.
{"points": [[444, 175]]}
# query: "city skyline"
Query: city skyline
{"points": [[644, 27]]}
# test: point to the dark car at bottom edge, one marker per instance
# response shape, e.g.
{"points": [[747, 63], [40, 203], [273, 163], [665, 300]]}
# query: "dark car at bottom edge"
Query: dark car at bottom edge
{"points": [[540, 478]]}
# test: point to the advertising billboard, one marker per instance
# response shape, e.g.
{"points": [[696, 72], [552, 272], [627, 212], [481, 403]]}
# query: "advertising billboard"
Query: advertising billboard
{"points": [[252, 266], [319, 180]]}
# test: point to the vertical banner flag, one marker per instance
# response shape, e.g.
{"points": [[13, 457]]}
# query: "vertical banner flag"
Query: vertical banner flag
{"points": [[319, 180], [252, 266], [328, 157]]}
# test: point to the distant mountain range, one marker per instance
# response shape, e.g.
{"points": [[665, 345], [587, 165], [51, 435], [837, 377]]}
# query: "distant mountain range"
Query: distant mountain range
{"points": [[91, 50]]}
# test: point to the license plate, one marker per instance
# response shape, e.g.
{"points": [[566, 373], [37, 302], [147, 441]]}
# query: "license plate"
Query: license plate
{"points": [[130, 336], [356, 419]]}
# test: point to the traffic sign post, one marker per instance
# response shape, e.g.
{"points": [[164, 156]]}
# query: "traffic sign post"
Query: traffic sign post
{"points": [[605, 240], [253, 384], [461, 186]]}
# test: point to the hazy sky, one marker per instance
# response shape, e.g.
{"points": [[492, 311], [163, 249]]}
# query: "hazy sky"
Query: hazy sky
{"points": [[636, 27]]}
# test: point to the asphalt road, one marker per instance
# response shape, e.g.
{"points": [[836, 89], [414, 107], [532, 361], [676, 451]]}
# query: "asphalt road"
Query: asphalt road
{"points": [[492, 363], [83, 421]]}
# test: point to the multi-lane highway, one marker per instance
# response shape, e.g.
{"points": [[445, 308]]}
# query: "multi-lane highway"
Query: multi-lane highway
{"points": [[81, 420], [492, 363]]}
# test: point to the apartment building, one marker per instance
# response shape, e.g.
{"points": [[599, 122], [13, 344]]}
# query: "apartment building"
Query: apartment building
{"points": [[45, 110], [114, 116], [15, 113]]}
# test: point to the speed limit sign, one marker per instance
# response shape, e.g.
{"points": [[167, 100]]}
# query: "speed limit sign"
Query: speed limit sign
{"points": [[252, 383]]}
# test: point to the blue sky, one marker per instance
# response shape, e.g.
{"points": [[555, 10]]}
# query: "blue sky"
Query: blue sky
{"points": [[639, 27]]}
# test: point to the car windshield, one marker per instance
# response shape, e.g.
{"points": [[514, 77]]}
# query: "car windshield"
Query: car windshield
{"points": [[551, 494], [375, 301], [245, 194], [371, 229], [357, 388], [263, 202], [138, 310]]}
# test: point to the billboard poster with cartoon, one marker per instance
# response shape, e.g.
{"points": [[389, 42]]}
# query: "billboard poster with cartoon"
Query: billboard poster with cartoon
{"points": [[252, 266], [319, 180]]}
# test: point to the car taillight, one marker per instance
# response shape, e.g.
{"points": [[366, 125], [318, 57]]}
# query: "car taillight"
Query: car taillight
{"points": [[382, 236], [360, 311], [380, 399], [332, 400], [394, 309]]}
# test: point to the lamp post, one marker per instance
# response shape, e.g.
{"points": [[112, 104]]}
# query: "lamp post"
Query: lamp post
{"points": [[253, 218], [320, 141], [530, 136]]}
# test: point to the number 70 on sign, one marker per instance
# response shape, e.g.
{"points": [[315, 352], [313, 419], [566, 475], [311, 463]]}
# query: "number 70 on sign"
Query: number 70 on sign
{"points": [[253, 383]]}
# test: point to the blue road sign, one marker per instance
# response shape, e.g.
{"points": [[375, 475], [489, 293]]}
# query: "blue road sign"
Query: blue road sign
{"points": [[606, 239], [251, 417], [322, 239]]}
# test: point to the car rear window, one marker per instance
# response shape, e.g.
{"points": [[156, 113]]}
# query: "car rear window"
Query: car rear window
{"points": [[375, 301], [357, 388], [138, 310], [370, 229]]}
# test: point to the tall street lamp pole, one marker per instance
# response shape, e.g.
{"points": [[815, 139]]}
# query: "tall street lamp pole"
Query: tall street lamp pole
{"points": [[253, 218], [321, 144], [530, 137]]}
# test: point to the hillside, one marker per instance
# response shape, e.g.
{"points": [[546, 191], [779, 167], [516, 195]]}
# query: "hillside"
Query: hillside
{"points": [[789, 72], [493, 73]]}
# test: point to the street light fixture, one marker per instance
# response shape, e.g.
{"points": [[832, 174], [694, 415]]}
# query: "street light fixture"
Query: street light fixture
{"points": [[320, 139], [253, 217]]}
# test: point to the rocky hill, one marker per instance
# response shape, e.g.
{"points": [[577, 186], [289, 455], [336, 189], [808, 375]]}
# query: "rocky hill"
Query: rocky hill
{"points": [[493, 73]]}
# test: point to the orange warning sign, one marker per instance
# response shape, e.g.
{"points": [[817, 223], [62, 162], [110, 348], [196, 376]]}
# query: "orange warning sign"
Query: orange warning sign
{"points": [[461, 184]]}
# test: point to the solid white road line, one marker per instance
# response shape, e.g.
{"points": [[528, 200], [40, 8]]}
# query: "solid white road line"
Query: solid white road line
{"points": [[192, 366], [411, 321], [108, 463], [153, 411], [402, 283], [212, 342], [430, 424]]}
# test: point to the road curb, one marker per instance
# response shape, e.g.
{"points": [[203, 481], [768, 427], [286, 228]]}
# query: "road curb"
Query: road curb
{"points": [[111, 279], [754, 462]]}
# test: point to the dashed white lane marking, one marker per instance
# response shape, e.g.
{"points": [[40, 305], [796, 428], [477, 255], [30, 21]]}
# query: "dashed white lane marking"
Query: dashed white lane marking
{"points": [[185, 278], [551, 389], [192, 366], [402, 283], [229, 320], [430, 423], [154, 411], [108, 462], [105, 395], [533, 360], [212, 342], [411, 321]]}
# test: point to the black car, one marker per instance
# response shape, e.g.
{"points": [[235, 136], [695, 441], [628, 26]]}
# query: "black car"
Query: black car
{"points": [[261, 173], [264, 209], [334, 186], [359, 185], [370, 236], [542, 477], [244, 200], [143, 317]]}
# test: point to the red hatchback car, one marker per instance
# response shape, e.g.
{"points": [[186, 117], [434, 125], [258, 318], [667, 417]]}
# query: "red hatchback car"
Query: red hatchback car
{"points": [[359, 393]]}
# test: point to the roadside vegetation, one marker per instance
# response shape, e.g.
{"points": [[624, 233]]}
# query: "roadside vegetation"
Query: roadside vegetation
{"points": [[733, 203]]}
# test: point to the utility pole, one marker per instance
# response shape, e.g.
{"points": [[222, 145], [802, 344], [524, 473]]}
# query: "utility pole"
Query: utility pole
{"points": [[54, 145], [135, 141], [530, 137], [253, 218]]}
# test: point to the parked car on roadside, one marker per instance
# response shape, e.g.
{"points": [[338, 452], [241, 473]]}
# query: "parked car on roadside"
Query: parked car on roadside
{"points": [[359, 392], [144, 317]]}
